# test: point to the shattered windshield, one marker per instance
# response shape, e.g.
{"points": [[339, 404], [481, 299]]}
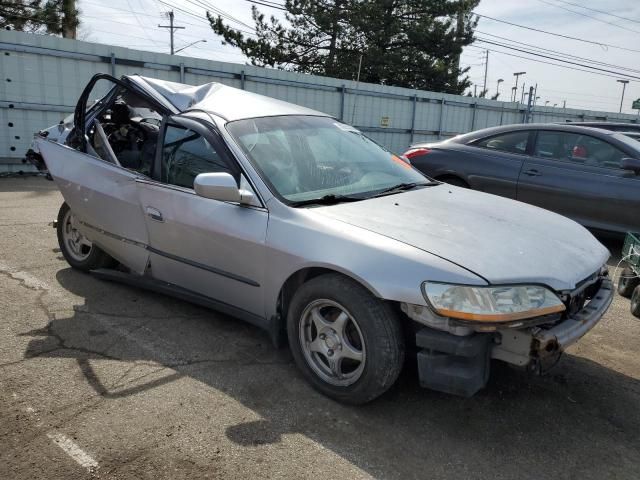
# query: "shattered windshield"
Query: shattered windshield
{"points": [[305, 158]]}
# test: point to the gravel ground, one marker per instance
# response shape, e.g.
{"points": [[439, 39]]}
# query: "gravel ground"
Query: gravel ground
{"points": [[100, 380]]}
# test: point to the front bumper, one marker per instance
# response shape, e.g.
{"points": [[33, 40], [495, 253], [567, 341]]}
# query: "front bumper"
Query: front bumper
{"points": [[536, 347], [460, 364], [566, 333]]}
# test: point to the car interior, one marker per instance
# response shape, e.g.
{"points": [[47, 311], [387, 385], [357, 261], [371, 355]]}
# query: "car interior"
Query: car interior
{"points": [[578, 148], [125, 131]]}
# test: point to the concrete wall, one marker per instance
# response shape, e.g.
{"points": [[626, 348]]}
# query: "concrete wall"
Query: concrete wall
{"points": [[41, 78]]}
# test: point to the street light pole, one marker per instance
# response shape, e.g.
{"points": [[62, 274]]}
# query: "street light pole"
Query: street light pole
{"points": [[517, 75], [500, 80], [624, 85]]}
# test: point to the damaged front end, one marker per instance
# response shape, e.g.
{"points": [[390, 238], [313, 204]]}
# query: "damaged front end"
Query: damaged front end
{"points": [[455, 354]]}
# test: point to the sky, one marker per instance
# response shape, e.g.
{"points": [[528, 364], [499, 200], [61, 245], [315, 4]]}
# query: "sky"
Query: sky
{"points": [[134, 24]]}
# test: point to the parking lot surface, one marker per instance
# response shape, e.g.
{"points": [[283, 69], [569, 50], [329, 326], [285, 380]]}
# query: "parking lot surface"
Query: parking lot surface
{"points": [[100, 380]]}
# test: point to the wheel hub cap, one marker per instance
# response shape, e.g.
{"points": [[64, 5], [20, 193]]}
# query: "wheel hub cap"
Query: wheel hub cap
{"points": [[77, 245], [332, 342]]}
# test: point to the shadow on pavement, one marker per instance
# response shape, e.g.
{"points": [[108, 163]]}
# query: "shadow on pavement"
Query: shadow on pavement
{"points": [[580, 421], [28, 183]]}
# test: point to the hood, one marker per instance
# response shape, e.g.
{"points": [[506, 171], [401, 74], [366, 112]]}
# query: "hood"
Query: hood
{"points": [[499, 239]]}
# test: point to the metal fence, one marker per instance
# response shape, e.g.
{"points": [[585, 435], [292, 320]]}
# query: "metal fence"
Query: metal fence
{"points": [[42, 76]]}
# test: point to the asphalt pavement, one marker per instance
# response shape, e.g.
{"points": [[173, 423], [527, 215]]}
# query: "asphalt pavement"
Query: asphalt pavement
{"points": [[101, 380]]}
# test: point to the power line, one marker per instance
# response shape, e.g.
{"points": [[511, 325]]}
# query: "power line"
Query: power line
{"points": [[589, 16], [203, 24], [599, 11], [264, 3], [141, 25], [559, 59], [600, 44], [545, 62], [542, 49], [222, 13], [200, 18]]}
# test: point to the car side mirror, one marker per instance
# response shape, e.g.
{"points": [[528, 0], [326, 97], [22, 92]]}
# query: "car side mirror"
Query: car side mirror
{"points": [[220, 186], [632, 164]]}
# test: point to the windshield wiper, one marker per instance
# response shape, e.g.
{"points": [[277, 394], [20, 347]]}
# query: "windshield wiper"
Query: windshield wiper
{"points": [[401, 187], [330, 199]]}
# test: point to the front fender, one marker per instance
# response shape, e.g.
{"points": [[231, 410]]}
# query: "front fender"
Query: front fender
{"points": [[390, 269]]}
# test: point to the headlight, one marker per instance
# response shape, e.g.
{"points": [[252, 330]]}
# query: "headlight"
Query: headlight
{"points": [[491, 304]]}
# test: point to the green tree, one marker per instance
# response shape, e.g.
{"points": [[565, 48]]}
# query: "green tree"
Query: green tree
{"points": [[58, 17], [407, 43]]}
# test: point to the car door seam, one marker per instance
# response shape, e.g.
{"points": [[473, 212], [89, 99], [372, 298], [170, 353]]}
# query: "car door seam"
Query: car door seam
{"points": [[149, 248]]}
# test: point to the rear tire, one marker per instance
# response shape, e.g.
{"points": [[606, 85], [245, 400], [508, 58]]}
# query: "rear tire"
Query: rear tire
{"points": [[348, 344], [77, 250], [627, 282], [635, 302]]}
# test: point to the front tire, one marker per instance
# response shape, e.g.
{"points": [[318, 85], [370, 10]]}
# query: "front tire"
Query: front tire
{"points": [[77, 250], [348, 343], [627, 282]]}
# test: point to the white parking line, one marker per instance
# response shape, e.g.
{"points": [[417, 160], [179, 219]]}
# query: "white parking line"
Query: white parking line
{"points": [[81, 457]]}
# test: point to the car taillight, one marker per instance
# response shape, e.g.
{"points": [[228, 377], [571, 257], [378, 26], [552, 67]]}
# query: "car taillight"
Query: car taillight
{"points": [[416, 152]]}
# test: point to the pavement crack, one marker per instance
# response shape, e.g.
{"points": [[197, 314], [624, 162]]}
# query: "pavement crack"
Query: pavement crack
{"points": [[25, 279]]}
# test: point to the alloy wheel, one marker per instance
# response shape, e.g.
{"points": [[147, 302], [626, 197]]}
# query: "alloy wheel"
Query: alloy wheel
{"points": [[332, 342]]}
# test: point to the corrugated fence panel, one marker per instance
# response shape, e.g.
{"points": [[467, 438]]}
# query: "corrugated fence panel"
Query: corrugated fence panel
{"points": [[42, 76]]}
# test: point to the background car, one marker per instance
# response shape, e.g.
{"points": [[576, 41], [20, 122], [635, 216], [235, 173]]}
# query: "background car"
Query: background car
{"points": [[588, 174], [634, 135], [613, 126]]}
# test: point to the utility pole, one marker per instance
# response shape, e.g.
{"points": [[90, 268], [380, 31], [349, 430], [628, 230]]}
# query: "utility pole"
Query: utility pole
{"points": [[486, 68], [564, 104], [624, 85], [522, 94], [459, 30], [171, 28]]}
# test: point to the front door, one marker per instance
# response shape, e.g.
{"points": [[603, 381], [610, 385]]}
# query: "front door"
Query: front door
{"points": [[207, 246], [579, 176]]}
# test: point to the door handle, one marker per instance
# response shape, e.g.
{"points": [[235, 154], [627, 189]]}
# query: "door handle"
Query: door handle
{"points": [[532, 172], [154, 214]]}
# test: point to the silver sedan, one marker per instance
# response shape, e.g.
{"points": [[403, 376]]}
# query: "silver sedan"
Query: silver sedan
{"points": [[298, 223]]}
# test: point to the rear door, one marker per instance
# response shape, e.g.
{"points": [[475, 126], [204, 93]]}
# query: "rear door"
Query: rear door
{"points": [[579, 176]]}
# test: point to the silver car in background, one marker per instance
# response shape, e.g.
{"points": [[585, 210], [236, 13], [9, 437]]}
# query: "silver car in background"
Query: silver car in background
{"points": [[296, 222]]}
